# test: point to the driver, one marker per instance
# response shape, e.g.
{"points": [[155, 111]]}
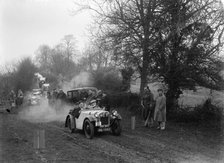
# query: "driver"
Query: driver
{"points": [[93, 103]]}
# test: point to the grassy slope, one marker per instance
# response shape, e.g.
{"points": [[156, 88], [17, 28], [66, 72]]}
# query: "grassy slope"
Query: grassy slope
{"points": [[188, 98]]}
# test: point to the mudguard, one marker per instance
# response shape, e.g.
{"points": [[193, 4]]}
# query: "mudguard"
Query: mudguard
{"points": [[72, 121], [118, 117], [91, 119], [66, 121]]}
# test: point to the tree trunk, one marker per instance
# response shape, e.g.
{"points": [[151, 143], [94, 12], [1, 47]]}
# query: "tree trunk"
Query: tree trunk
{"points": [[144, 70], [172, 96]]}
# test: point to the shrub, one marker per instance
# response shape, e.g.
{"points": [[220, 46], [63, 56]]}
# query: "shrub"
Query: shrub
{"points": [[107, 79], [23, 77], [123, 99], [201, 113], [208, 111]]}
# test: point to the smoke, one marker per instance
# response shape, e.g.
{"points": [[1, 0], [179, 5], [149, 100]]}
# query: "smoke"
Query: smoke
{"points": [[81, 80], [47, 113], [44, 112], [40, 77]]}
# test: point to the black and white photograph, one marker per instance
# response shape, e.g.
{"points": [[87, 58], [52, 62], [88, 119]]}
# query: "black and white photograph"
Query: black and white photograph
{"points": [[111, 81]]}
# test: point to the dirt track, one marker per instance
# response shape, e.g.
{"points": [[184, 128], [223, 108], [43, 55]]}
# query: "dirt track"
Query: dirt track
{"points": [[179, 143]]}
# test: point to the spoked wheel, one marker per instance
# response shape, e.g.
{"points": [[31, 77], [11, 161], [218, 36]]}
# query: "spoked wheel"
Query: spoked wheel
{"points": [[72, 130], [88, 129], [116, 127]]}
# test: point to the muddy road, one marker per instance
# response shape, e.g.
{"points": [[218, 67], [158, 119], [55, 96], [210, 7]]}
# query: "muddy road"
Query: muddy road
{"points": [[178, 143]]}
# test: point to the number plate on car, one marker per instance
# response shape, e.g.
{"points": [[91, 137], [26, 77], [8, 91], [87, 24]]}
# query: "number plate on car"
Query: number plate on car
{"points": [[103, 129]]}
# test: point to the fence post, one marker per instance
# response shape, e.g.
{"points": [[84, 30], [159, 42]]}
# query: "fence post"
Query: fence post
{"points": [[39, 139], [133, 122]]}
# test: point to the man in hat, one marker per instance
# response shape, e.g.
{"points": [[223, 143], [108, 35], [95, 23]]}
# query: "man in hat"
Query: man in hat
{"points": [[54, 96], [20, 97], [102, 100], [160, 110], [148, 103], [12, 100], [61, 97]]}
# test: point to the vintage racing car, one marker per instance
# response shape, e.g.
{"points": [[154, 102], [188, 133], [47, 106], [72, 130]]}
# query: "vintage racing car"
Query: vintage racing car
{"points": [[35, 97], [78, 95], [91, 118]]}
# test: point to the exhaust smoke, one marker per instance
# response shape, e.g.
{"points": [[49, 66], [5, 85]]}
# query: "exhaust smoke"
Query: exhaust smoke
{"points": [[81, 80], [44, 112]]}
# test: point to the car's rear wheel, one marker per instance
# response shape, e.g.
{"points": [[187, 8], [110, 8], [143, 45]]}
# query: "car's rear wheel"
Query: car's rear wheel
{"points": [[88, 129], [116, 127], [69, 123]]}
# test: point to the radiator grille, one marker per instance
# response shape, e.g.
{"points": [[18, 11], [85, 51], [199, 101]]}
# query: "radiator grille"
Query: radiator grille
{"points": [[104, 120]]}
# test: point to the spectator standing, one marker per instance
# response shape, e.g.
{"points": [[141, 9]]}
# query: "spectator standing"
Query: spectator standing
{"points": [[61, 98], [160, 110], [20, 97], [148, 102], [54, 96], [12, 100], [61, 95], [49, 97], [12, 96]]}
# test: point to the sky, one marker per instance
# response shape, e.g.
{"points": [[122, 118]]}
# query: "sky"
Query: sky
{"points": [[27, 24]]}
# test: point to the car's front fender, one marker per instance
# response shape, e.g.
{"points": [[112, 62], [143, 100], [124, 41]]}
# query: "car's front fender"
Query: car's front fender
{"points": [[72, 121], [117, 116], [91, 119]]}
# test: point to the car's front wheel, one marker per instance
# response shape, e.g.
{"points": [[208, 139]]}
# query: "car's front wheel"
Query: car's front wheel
{"points": [[88, 129], [116, 127]]}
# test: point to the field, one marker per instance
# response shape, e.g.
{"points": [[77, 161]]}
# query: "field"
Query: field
{"points": [[37, 134], [178, 143], [189, 98]]}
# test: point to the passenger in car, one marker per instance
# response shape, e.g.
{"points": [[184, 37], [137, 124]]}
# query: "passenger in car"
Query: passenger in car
{"points": [[102, 100]]}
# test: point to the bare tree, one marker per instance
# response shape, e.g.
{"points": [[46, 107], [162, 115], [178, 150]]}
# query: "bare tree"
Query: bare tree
{"points": [[97, 55], [24, 75], [43, 57], [187, 53], [158, 37], [69, 43], [130, 27]]}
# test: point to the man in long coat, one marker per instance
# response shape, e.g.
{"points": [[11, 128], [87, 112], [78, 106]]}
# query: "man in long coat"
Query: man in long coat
{"points": [[12, 101], [20, 97], [160, 110]]}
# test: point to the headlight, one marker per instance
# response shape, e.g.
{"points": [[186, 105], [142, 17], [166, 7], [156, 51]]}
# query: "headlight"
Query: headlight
{"points": [[96, 115], [107, 114], [81, 105], [114, 112]]}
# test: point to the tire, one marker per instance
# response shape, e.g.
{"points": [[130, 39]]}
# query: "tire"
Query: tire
{"points": [[116, 128], [69, 124], [88, 128]]}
